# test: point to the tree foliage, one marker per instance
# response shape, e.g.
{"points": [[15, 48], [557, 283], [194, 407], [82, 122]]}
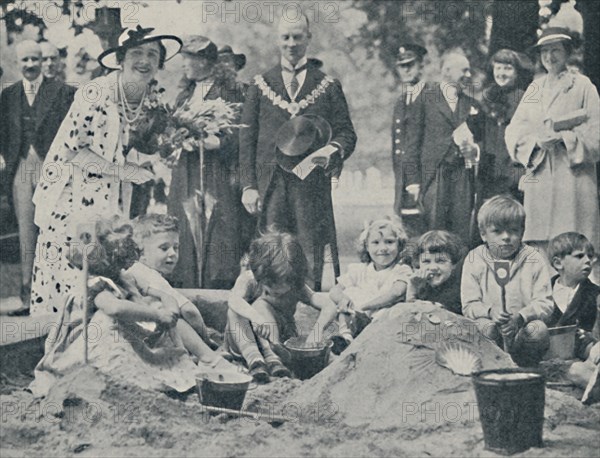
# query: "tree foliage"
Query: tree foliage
{"points": [[444, 25]]}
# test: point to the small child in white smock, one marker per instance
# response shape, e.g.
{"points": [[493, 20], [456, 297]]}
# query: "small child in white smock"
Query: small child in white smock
{"points": [[378, 282]]}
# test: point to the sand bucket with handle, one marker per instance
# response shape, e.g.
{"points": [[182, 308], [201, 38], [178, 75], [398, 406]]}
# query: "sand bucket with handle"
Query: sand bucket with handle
{"points": [[562, 342], [511, 408], [226, 391], [307, 361]]}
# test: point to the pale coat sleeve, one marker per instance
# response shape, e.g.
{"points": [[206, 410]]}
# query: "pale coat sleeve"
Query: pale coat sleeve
{"points": [[583, 142], [471, 293], [520, 134], [86, 141], [94, 131]]}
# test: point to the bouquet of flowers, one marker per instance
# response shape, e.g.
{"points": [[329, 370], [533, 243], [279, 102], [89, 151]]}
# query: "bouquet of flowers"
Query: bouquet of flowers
{"points": [[195, 122]]}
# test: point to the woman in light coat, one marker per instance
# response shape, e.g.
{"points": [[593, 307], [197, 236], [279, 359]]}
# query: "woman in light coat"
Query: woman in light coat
{"points": [[555, 134]]}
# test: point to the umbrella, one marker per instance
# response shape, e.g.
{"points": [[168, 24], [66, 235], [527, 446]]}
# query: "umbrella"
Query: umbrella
{"points": [[198, 210], [473, 175]]}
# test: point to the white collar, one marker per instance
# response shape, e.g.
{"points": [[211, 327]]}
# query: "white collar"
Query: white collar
{"points": [[415, 89], [35, 84], [287, 65]]}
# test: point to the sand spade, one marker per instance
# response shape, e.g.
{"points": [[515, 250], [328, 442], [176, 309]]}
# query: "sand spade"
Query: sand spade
{"points": [[501, 274], [87, 236]]}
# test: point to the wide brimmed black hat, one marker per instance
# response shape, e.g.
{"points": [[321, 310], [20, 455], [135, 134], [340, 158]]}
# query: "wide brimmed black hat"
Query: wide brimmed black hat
{"points": [[299, 137], [238, 59], [132, 38], [409, 52]]}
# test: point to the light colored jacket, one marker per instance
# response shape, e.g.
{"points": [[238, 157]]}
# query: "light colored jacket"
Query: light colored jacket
{"points": [[561, 193], [528, 290]]}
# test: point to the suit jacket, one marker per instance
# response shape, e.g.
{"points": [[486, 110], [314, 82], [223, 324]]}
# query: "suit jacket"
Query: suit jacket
{"points": [[434, 124], [403, 161], [263, 118], [52, 102], [581, 309]]}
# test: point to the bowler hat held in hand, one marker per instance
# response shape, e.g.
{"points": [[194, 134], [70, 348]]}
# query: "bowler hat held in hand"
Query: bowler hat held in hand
{"points": [[299, 137]]}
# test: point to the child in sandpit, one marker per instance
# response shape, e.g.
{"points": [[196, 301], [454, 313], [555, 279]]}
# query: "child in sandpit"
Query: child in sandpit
{"points": [[518, 321], [586, 374], [376, 283], [575, 296], [157, 237], [273, 284], [121, 348], [438, 262]]}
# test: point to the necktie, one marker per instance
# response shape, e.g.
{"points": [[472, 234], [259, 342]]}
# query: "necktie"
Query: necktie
{"points": [[30, 94], [294, 83]]}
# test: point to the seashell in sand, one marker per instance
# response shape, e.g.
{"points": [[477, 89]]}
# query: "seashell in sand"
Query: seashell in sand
{"points": [[433, 318], [458, 358]]}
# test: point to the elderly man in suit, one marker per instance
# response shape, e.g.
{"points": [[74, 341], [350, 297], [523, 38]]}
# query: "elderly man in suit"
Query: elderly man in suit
{"points": [[409, 66], [301, 206], [446, 150], [32, 111], [51, 64]]}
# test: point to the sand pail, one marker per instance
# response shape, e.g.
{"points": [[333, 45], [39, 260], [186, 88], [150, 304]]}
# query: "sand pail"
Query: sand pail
{"points": [[307, 361], [225, 391], [562, 342], [511, 408]]}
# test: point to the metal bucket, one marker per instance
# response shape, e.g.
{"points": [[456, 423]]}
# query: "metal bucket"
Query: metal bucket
{"points": [[511, 408], [226, 391], [307, 361], [562, 342]]}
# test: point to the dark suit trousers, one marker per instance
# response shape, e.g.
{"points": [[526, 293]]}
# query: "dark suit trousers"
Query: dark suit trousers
{"points": [[448, 201], [25, 181], [304, 209]]}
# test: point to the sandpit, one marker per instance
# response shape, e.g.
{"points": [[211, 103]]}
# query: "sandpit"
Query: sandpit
{"points": [[384, 396]]}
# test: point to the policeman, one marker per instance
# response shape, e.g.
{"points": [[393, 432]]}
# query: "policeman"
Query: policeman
{"points": [[409, 67]]}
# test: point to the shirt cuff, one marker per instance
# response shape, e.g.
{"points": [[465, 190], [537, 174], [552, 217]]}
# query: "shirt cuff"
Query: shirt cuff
{"points": [[245, 188], [339, 147]]}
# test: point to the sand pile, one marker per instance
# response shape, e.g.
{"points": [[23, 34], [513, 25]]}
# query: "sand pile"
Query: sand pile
{"points": [[388, 377], [383, 397]]}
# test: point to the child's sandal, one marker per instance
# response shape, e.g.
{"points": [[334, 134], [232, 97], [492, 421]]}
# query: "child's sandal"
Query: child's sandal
{"points": [[258, 371], [277, 369], [340, 343]]}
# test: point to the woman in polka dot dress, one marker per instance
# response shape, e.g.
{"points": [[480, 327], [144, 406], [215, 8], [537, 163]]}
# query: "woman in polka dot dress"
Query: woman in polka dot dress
{"points": [[82, 176]]}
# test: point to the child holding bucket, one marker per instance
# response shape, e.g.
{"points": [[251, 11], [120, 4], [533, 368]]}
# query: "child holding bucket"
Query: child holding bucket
{"points": [[376, 283], [273, 284], [157, 237], [505, 284], [438, 261], [571, 254]]}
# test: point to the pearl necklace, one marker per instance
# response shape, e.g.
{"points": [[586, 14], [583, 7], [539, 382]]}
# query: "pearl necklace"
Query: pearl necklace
{"points": [[126, 107]]}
